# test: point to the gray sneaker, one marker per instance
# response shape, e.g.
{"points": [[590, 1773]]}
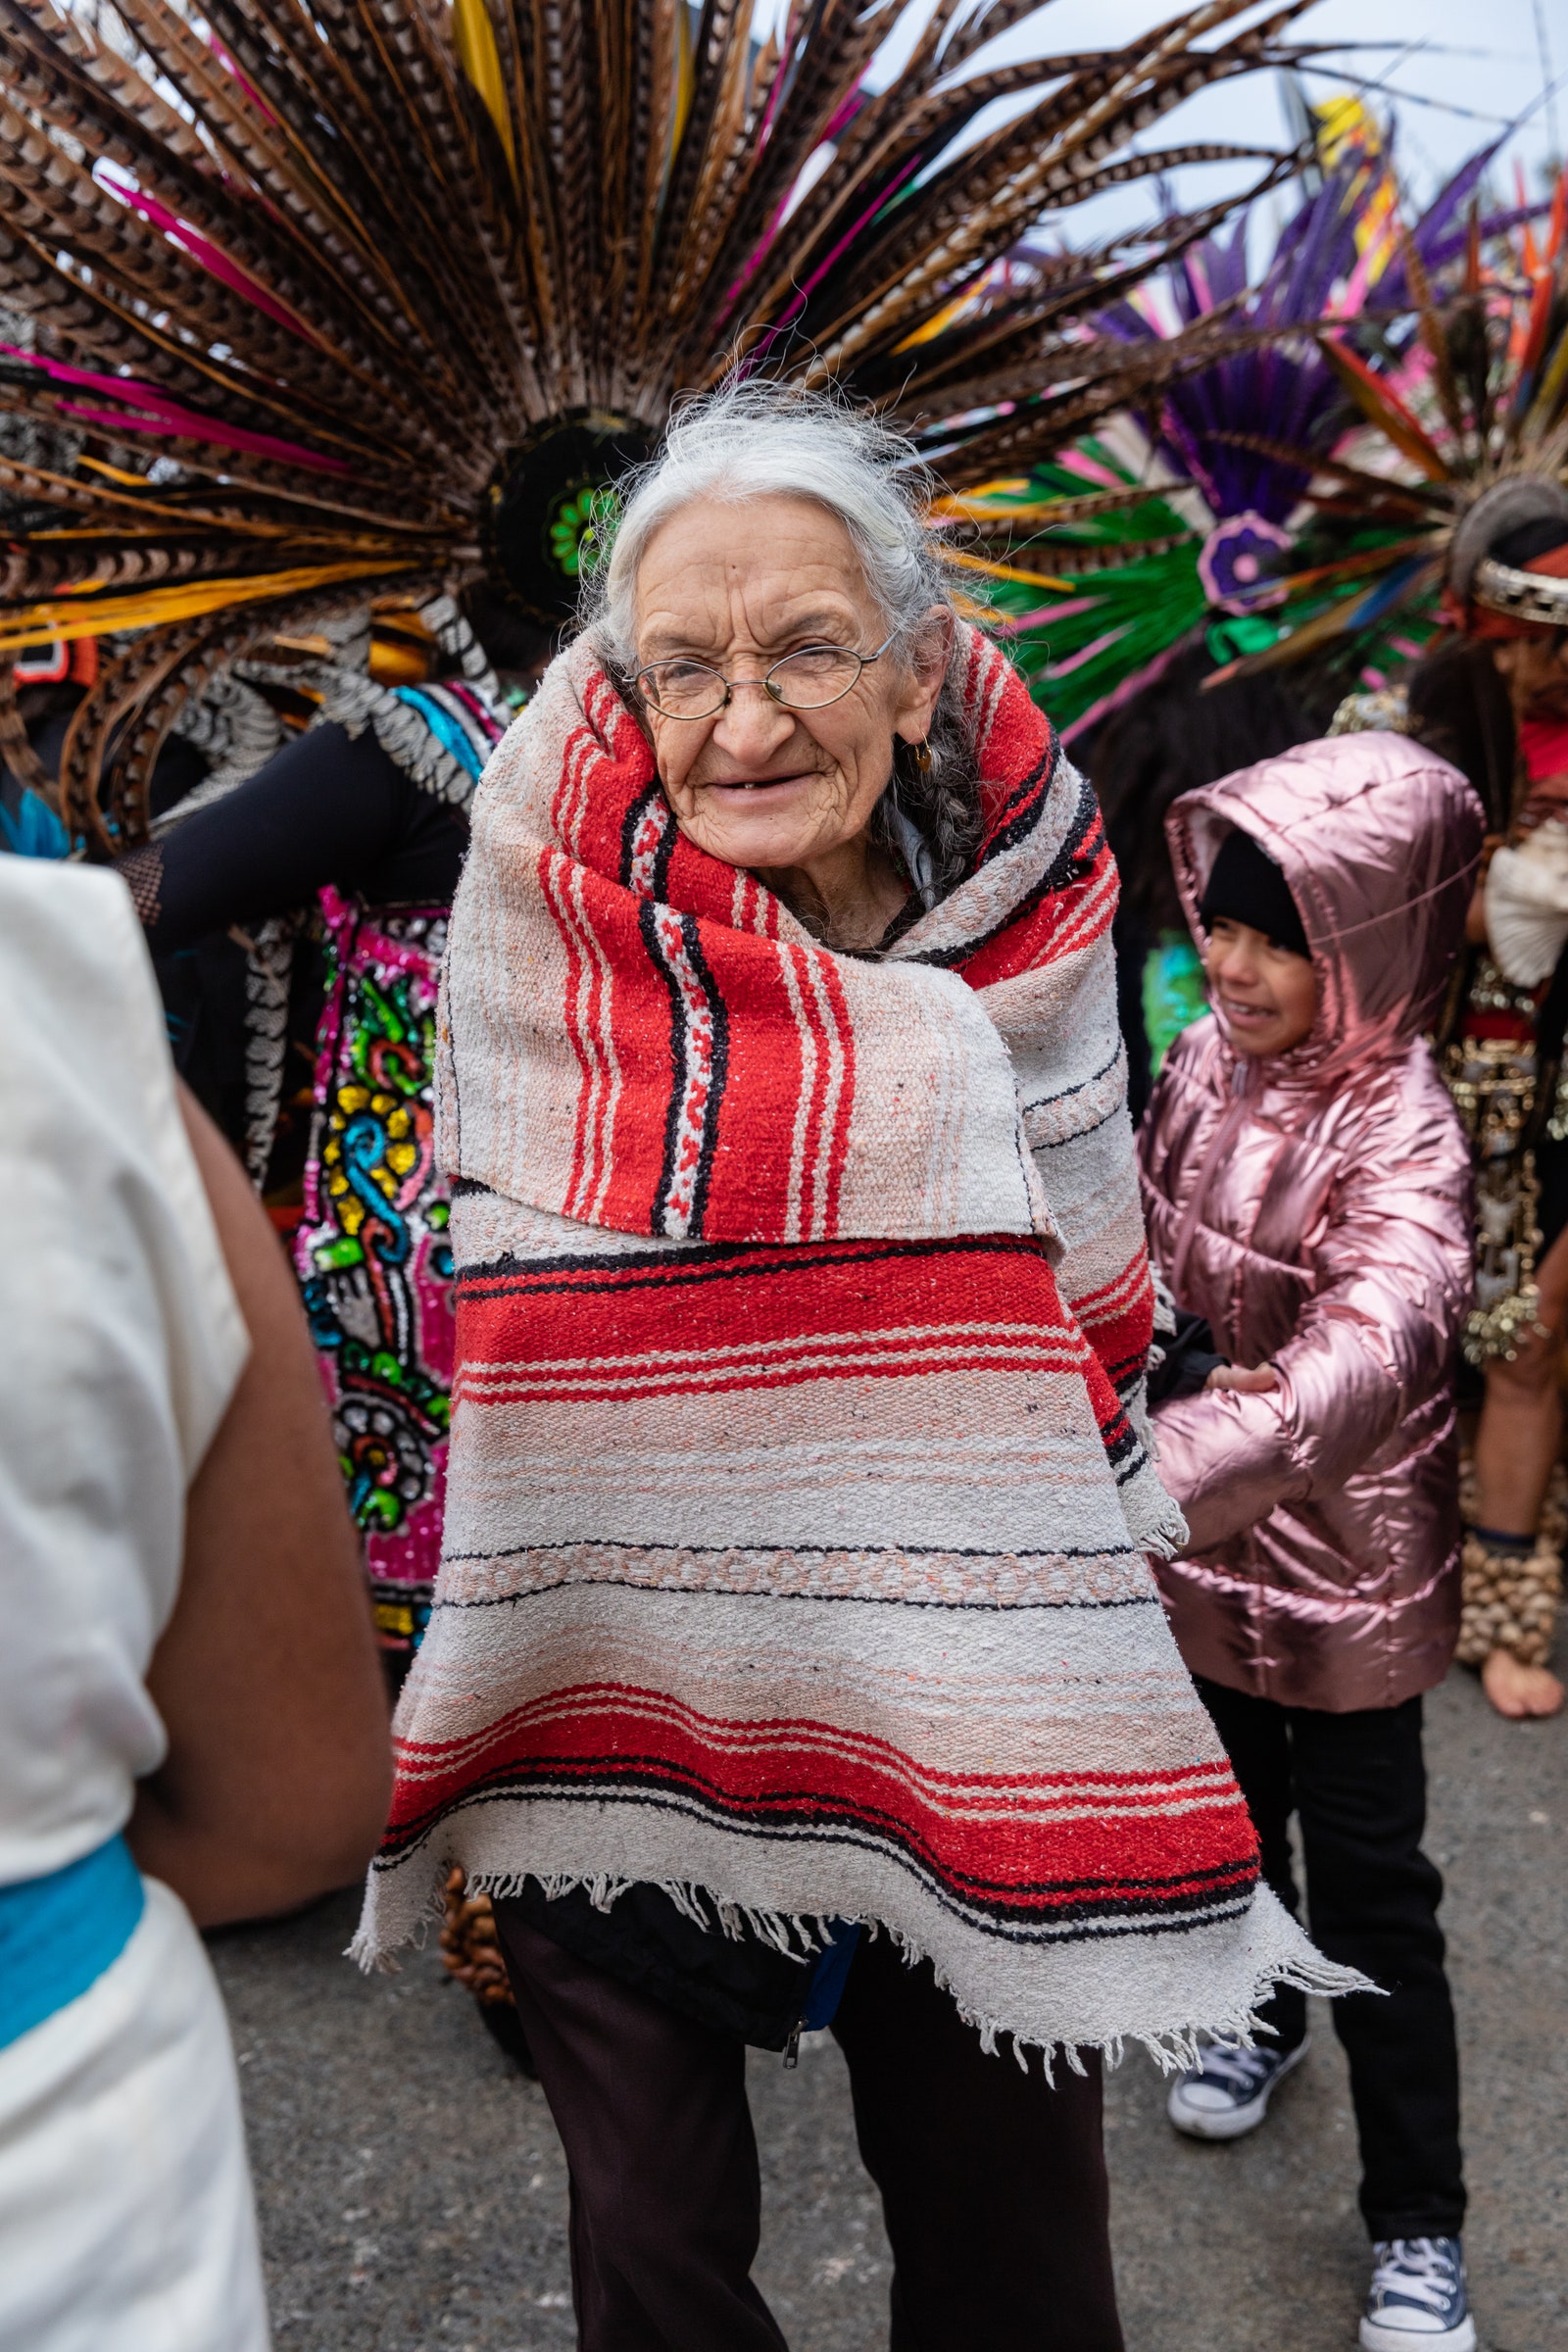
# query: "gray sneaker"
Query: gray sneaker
{"points": [[1418, 2301], [1229, 2093]]}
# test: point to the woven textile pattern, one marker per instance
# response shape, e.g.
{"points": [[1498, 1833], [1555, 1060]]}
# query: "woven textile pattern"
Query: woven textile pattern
{"points": [[799, 1491]]}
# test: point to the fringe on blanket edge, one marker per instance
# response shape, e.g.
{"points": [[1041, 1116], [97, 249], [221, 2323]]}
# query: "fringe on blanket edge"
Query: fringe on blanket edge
{"points": [[1173, 2051], [1152, 1517]]}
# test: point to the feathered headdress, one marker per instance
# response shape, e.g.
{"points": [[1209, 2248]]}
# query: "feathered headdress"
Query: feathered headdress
{"points": [[1191, 520], [1462, 409], [375, 294]]}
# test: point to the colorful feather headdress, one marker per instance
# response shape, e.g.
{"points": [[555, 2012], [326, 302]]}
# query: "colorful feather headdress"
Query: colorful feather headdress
{"points": [[1460, 405], [1465, 429], [1211, 515], [373, 295]]}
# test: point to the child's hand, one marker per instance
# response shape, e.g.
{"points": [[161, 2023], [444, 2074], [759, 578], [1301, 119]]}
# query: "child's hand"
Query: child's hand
{"points": [[1249, 1384]]}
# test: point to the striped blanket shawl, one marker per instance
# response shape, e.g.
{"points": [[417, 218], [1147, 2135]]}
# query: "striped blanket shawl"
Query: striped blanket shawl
{"points": [[800, 1482]]}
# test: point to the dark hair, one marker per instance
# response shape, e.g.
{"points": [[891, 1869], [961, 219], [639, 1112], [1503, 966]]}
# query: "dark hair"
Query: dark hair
{"points": [[1521, 546], [1166, 740], [941, 797], [1460, 707], [516, 643]]}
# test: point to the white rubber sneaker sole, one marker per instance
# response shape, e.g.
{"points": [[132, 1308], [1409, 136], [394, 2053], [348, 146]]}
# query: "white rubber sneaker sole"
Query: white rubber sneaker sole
{"points": [[1234, 2122], [1378, 2337]]}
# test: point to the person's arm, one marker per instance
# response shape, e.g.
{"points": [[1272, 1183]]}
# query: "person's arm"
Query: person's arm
{"points": [[328, 807], [278, 1773], [1374, 1342]]}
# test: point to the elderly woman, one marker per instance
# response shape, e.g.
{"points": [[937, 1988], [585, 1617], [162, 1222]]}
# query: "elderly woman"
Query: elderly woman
{"points": [[795, 1655]]}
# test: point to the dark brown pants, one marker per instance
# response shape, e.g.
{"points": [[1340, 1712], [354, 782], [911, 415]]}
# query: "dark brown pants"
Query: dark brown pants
{"points": [[993, 2184]]}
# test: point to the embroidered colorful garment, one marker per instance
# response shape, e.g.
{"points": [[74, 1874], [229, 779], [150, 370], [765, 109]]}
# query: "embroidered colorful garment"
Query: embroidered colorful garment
{"points": [[373, 1253], [800, 1496]]}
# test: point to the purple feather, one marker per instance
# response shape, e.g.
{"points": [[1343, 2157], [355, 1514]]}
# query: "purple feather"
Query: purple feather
{"points": [[1286, 393]]}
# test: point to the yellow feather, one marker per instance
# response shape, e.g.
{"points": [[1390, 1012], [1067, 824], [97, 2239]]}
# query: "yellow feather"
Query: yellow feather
{"points": [[685, 77], [115, 474], [1008, 572], [480, 60], [960, 510], [71, 617]]}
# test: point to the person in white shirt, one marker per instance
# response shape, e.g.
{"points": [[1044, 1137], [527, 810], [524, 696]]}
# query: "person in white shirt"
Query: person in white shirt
{"points": [[182, 1738]]}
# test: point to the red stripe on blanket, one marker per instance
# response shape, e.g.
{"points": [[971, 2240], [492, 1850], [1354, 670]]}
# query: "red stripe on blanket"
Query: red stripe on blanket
{"points": [[1063, 921], [585, 1008], [617, 1384], [840, 1111], [1027, 1847], [737, 1319], [1118, 1320], [1131, 1282], [817, 1161], [998, 1296]]}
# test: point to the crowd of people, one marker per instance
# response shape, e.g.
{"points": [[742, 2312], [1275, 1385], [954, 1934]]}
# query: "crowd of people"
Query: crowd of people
{"points": [[911, 1539]]}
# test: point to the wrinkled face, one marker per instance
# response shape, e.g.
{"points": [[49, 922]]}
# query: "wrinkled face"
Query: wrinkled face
{"points": [[1267, 994], [738, 586], [1536, 671]]}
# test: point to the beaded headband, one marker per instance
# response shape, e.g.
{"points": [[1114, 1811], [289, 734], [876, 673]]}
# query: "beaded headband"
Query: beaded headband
{"points": [[1528, 596]]}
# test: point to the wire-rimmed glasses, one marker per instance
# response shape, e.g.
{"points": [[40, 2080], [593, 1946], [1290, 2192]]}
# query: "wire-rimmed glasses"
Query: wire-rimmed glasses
{"points": [[808, 679]]}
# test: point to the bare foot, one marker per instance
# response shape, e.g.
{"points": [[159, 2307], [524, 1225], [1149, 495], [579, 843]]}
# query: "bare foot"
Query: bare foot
{"points": [[1518, 1691]]}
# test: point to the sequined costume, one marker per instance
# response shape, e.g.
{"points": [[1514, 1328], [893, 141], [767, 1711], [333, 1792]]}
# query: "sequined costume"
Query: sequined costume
{"points": [[371, 1251], [1507, 1066], [1491, 1070]]}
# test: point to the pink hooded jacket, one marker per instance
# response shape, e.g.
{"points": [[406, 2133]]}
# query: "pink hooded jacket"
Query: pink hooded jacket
{"points": [[1315, 1207]]}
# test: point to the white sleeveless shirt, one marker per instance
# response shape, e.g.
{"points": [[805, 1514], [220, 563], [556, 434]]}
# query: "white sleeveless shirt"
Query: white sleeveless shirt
{"points": [[126, 2215], [120, 1342]]}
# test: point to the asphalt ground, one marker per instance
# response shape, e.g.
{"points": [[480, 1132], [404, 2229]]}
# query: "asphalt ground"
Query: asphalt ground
{"points": [[413, 2192]]}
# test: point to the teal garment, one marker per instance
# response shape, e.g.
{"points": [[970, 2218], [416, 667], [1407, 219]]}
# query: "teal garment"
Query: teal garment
{"points": [[34, 830], [1174, 993], [58, 1933]]}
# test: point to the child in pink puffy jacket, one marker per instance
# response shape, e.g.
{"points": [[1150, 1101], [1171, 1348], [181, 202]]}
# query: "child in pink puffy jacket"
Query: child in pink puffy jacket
{"points": [[1307, 1191]]}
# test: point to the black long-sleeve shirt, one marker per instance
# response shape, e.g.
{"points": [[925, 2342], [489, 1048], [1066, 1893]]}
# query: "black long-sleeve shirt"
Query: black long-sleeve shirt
{"points": [[329, 808]]}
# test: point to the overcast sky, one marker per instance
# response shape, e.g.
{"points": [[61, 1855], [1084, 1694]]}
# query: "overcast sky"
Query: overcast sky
{"points": [[1480, 67]]}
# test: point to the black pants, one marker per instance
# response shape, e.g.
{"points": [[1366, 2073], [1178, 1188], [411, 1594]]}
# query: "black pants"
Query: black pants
{"points": [[1358, 1784], [993, 2184]]}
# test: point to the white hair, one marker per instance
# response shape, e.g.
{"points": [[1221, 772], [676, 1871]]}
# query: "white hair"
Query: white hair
{"points": [[766, 440]]}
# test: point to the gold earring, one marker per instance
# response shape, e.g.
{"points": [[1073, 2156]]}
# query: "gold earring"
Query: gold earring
{"points": [[923, 757]]}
